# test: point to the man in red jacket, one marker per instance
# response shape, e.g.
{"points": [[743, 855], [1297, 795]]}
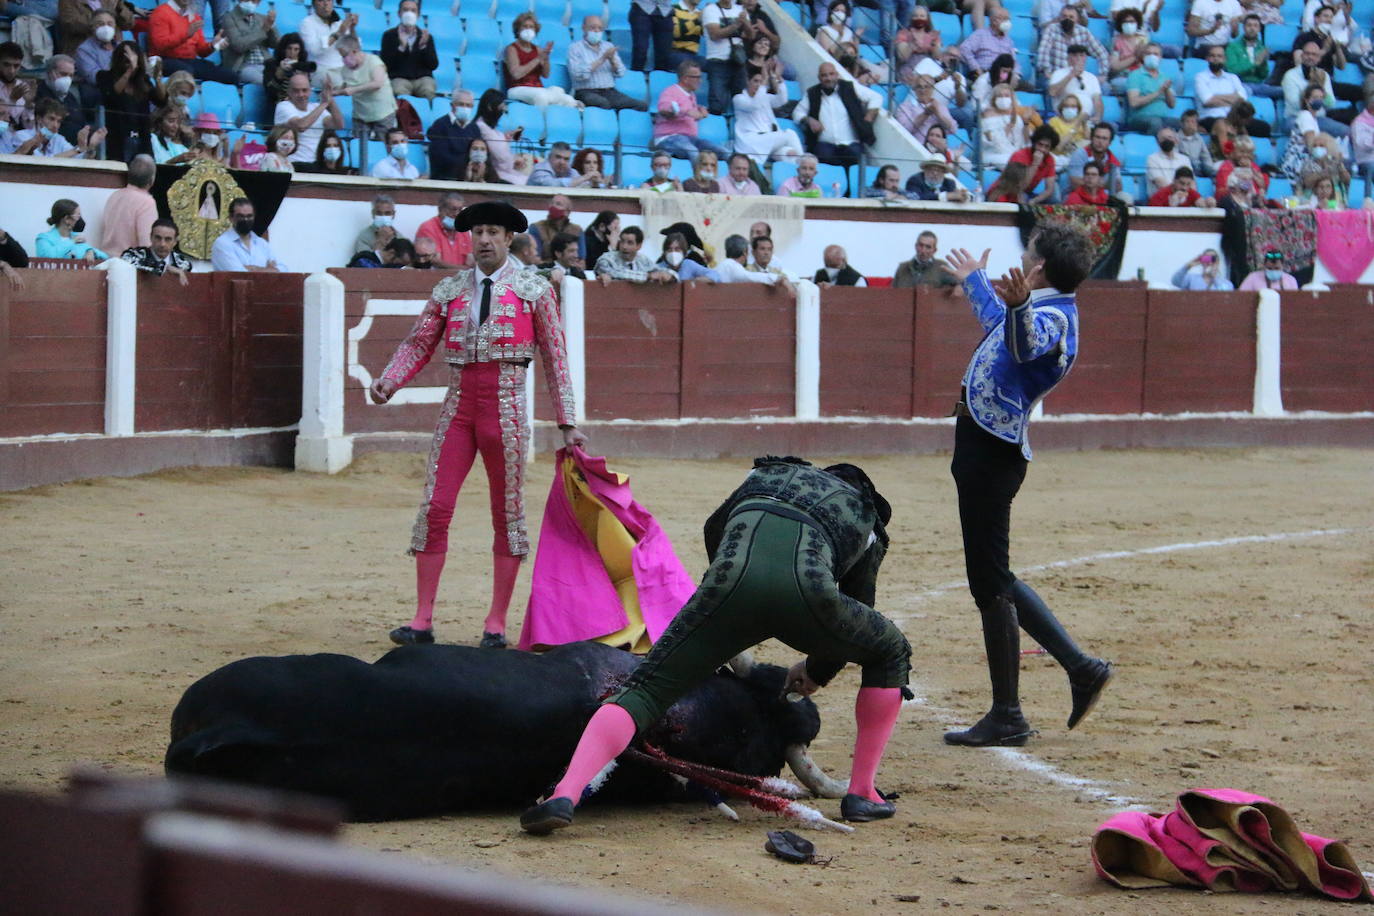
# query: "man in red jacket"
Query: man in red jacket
{"points": [[174, 34]]}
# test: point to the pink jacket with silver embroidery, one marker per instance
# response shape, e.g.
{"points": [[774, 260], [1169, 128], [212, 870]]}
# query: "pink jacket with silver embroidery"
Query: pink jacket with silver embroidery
{"points": [[524, 317]]}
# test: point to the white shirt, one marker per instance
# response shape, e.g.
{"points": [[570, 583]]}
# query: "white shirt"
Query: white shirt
{"points": [[1160, 168], [315, 33], [754, 113], [731, 271], [1340, 25], [1087, 89], [833, 116], [1207, 84], [1295, 84], [308, 140], [714, 15], [1207, 10], [391, 167], [945, 88]]}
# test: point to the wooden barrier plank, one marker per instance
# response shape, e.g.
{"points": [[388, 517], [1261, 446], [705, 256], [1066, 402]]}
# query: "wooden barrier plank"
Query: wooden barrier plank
{"points": [[1109, 373], [1326, 341], [944, 335], [182, 350], [866, 351], [50, 353], [634, 350], [52, 419], [1189, 371], [738, 351], [65, 387]]}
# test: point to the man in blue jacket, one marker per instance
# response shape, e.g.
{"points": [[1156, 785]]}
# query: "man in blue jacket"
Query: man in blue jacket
{"points": [[1030, 343]]}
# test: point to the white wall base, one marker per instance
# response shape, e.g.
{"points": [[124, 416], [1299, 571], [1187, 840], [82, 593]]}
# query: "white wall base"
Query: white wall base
{"points": [[324, 455]]}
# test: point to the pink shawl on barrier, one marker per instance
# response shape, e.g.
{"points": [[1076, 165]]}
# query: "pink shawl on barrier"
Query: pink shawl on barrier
{"points": [[571, 596], [1224, 840], [1345, 242]]}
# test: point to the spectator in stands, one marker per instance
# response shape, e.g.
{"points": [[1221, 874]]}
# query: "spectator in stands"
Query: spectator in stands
{"points": [[1321, 28], [557, 221], [1203, 272], [450, 136], [1089, 191], [522, 249], [409, 54], [161, 255], [1150, 95], [1240, 169], [652, 21], [290, 58], [94, 54], [1273, 276], [923, 109], [128, 93], [1038, 158], [127, 219], [737, 180], [1325, 194], [951, 86], [837, 122], [731, 269], [600, 236], [676, 258], [924, 269], [555, 170], [686, 30], [526, 64], [454, 248], [1130, 44], [590, 164], [424, 254], [500, 155], [629, 262], [757, 133], [181, 88], [383, 217], [563, 254], [1161, 168], [1194, 144], [1010, 187], [760, 228], [593, 66], [16, 93], [937, 143], [728, 32], [1323, 161], [174, 34], [1269, 11], [481, 167], [1002, 129], [1003, 70], [308, 121], [762, 23], [986, 44], [886, 186], [396, 253], [57, 85], [933, 182], [705, 168], [1235, 126], [363, 77], [834, 30], [240, 248], [1362, 136], [761, 248], [1297, 97], [249, 37], [1072, 126], [331, 158], [77, 21], [320, 33], [63, 240], [1212, 24], [1218, 91], [1056, 40], [396, 163], [1248, 59], [210, 141], [675, 127], [917, 42], [1099, 151], [837, 271], [1075, 80], [281, 143], [803, 184], [44, 139], [662, 179], [12, 256], [763, 55]]}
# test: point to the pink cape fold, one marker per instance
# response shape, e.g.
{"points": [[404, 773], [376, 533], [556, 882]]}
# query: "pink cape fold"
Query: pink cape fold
{"points": [[1345, 242], [571, 595]]}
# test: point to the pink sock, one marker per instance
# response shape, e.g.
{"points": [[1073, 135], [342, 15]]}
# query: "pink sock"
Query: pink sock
{"points": [[504, 572], [608, 733], [875, 711], [428, 566]]}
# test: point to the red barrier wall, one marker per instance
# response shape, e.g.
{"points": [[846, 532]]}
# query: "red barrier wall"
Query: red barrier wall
{"points": [[738, 351], [946, 332], [1327, 341], [1199, 352], [866, 352], [52, 353], [634, 351], [1109, 374]]}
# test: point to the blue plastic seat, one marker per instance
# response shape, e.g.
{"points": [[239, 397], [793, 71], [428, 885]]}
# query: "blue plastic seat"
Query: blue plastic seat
{"points": [[658, 81], [1279, 38], [599, 127], [530, 117], [782, 170], [254, 103], [950, 27], [1264, 150], [478, 75], [1113, 110], [565, 124], [220, 100], [1138, 149], [834, 181], [345, 104], [1279, 188], [482, 28], [636, 131], [428, 113], [1206, 186], [634, 170], [716, 129], [632, 83], [551, 12], [446, 28]]}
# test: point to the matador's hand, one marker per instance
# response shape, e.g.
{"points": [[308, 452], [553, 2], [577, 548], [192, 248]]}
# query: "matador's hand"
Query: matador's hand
{"points": [[798, 681], [962, 263], [574, 437], [382, 390], [1015, 287]]}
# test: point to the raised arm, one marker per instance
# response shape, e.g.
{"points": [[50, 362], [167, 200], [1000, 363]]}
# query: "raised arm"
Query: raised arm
{"points": [[415, 351]]}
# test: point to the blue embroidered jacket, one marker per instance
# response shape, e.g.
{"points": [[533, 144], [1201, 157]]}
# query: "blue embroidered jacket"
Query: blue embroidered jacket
{"points": [[1026, 351]]}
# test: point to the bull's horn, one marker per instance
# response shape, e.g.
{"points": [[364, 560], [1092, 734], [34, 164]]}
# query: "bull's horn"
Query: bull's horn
{"points": [[742, 664], [821, 784]]}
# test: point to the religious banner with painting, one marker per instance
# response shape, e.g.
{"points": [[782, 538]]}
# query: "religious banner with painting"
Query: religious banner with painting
{"points": [[1105, 227], [197, 197]]}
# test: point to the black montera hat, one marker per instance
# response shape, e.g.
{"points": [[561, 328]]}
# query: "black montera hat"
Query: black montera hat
{"points": [[688, 230], [491, 213]]}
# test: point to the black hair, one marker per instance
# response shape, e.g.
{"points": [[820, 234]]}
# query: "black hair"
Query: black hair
{"points": [[238, 202], [754, 242], [489, 106], [635, 232], [1045, 132], [1066, 254], [11, 50], [560, 241], [401, 247], [1078, 49], [1108, 126], [166, 224], [1183, 171]]}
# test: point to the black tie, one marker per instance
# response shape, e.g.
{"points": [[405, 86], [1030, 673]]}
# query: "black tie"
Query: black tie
{"points": [[486, 302]]}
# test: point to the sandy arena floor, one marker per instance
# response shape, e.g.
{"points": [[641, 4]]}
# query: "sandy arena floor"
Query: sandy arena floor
{"points": [[1242, 664]]}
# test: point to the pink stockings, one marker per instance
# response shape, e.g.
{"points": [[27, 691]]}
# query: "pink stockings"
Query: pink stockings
{"points": [[608, 733], [428, 567], [875, 713]]}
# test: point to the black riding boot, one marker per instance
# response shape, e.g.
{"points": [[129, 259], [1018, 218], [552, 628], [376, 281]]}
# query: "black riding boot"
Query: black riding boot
{"points": [[1004, 723], [1087, 675]]}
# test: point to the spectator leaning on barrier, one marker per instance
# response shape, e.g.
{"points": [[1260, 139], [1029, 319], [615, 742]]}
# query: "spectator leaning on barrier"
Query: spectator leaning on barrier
{"points": [[705, 168], [600, 236], [127, 220], [63, 240], [94, 54], [239, 248], [563, 254], [676, 257], [677, 114], [57, 85], [12, 256], [383, 217], [161, 256], [933, 182], [761, 249], [737, 180], [836, 123], [409, 54], [1182, 192], [593, 65], [556, 171], [396, 162], [363, 77], [557, 222], [450, 136], [925, 269], [425, 253], [1074, 79], [522, 250], [454, 248], [1203, 272], [628, 262], [590, 164], [731, 268], [1089, 191], [837, 271], [250, 37], [309, 121], [1163, 164], [886, 186], [396, 253], [174, 34], [321, 30], [1271, 276], [661, 180]]}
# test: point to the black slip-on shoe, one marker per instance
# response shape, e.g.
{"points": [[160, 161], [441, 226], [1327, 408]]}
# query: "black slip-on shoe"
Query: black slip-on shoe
{"points": [[405, 636], [546, 817], [1088, 690], [492, 641], [861, 810], [993, 731]]}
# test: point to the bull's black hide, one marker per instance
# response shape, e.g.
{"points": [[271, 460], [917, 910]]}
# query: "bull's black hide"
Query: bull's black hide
{"points": [[428, 729]]}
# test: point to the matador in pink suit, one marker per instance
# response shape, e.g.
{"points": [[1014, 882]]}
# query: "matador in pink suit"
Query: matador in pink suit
{"points": [[488, 321]]}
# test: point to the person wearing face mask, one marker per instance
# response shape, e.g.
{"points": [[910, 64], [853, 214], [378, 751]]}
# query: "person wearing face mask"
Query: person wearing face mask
{"points": [[77, 21], [209, 139], [527, 64], [331, 158], [802, 184], [453, 246], [395, 163], [1204, 272], [64, 239], [410, 55], [93, 55], [240, 248], [1324, 162], [363, 78], [250, 37], [1057, 38], [593, 65], [161, 256], [673, 260], [1216, 90], [704, 171], [58, 85], [45, 140], [989, 42], [1129, 43], [1072, 125], [661, 177], [451, 136], [281, 143], [383, 217], [175, 34], [1163, 164], [1271, 276], [1003, 132], [557, 221], [1150, 95], [834, 30]]}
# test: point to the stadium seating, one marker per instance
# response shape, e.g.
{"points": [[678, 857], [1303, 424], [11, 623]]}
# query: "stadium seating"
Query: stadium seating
{"points": [[565, 124]]}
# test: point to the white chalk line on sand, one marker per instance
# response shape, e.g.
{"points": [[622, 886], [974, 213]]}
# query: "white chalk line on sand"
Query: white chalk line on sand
{"points": [[1024, 760]]}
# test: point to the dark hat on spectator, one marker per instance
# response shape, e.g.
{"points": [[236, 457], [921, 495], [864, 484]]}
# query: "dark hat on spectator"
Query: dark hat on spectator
{"points": [[688, 231], [491, 213]]}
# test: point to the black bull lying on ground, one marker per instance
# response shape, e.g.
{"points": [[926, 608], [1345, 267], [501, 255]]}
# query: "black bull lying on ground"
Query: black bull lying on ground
{"points": [[430, 729]]}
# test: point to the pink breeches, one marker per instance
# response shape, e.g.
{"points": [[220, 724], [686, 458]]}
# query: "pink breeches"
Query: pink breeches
{"points": [[484, 412]]}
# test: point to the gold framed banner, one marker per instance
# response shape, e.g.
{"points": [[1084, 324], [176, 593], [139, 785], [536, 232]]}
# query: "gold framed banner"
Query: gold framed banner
{"points": [[199, 203]]}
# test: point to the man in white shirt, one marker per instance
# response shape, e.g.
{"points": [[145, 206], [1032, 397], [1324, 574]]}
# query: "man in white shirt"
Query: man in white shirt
{"points": [[842, 119], [320, 31], [309, 122], [1163, 164], [396, 165], [1213, 23], [239, 248], [593, 65], [951, 86], [1295, 83], [732, 270], [837, 271], [1216, 89], [725, 25], [1075, 80]]}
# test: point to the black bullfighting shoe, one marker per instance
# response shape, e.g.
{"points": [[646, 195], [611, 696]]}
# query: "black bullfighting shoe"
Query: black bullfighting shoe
{"points": [[996, 729], [860, 810], [492, 641], [405, 636], [546, 817], [1087, 689]]}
